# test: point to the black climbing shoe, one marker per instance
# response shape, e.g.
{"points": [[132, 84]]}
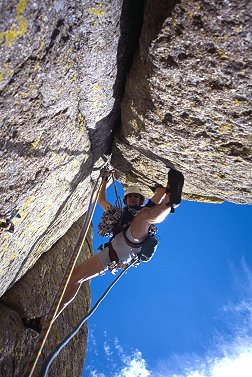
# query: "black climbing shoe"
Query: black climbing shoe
{"points": [[34, 324], [175, 186]]}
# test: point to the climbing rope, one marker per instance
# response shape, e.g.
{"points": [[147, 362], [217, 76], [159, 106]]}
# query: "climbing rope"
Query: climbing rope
{"points": [[62, 288], [61, 345]]}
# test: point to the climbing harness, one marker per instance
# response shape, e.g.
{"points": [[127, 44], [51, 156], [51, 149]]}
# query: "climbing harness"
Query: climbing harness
{"points": [[115, 264], [60, 346], [148, 245], [110, 225], [62, 288], [134, 245]]}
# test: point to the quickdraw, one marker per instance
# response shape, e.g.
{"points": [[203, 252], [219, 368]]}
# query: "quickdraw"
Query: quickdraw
{"points": [[109, 221]]}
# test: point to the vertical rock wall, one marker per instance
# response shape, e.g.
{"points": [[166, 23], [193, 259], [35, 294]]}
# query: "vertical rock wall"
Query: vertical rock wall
{"points": [[62, 71], [31, 297], [63, 65], [59, 65]]}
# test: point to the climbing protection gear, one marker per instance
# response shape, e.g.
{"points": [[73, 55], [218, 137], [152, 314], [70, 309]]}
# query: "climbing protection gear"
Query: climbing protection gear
{"points": [[118, 199], [109, 221], [57, 350], [68, 273], [175, 187]]}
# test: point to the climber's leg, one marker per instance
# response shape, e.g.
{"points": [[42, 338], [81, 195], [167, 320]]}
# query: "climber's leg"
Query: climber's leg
{"points": [[140, 225], [90, 268]]}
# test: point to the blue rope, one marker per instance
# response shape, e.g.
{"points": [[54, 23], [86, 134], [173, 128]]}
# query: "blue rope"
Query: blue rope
{"points": [[61, 345]]}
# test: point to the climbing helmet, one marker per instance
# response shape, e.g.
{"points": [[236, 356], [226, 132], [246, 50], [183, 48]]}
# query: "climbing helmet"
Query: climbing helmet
{"points": [[134, 190]]}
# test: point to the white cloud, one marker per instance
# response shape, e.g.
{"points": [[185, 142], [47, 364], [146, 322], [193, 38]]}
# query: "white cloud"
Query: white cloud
{"points": [[107, 350], [94, 373], [237, 362], [120, 363], [119, 348], [248, 275], [136, 366], [233, 365], [92, 341], [228, 357]]}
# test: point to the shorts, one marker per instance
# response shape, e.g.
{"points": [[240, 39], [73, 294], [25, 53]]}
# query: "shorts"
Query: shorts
{"points": [[122, 249]]}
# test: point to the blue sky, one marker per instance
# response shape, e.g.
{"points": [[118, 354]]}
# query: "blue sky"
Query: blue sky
{"points": [[186, 313]]}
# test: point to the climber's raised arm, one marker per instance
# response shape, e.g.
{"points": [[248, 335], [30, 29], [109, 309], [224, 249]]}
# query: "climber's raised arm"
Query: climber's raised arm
{"points": [[102, 200], [159, 194]]}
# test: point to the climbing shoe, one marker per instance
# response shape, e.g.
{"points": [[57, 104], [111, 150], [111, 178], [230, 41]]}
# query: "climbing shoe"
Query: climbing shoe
{"points": [[174, 187]]}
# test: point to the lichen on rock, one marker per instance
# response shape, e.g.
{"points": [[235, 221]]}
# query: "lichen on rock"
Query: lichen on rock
{"points": [[59, 106], [186, 105]]}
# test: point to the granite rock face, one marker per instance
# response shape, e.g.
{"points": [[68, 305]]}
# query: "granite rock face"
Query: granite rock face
{"points": [[187, 105], [61, 77], [187, 102], [62, 71], [31, 297]]}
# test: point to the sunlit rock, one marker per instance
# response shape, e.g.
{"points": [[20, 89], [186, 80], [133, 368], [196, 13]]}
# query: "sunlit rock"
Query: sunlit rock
{"points": [[187, 102], [60, 101]]}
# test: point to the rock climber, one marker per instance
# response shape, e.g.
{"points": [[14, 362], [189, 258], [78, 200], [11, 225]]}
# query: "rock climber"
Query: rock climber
{"points": [[135, 222], [128, 236]]}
